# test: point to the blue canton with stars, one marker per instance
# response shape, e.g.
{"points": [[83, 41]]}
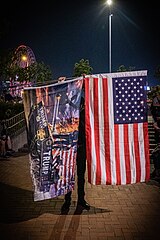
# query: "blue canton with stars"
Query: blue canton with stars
{"points": [[129, 99]]}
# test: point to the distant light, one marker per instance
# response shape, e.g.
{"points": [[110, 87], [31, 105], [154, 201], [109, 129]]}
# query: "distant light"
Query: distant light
{"points": [[109, 2], [24, 58], [147, 88]]}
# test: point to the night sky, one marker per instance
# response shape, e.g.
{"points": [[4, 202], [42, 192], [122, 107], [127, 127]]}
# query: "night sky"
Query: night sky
{"points": [[60, 33]]}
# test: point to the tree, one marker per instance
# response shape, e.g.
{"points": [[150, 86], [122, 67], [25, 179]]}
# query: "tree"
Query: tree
{"points": [[82, 67], [153, 92], [123, 68], [39, 73]]}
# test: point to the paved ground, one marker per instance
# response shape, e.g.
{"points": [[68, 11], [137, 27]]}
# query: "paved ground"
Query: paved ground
{"points": [[117, 212]]}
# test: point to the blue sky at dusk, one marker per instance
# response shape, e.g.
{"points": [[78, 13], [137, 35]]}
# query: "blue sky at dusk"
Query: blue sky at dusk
{"points": [[60, 33]]}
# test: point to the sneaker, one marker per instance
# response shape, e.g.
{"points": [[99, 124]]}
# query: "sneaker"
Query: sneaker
{"points": [[84, 205]]}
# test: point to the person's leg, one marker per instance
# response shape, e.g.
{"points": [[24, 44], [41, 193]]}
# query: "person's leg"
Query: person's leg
{"points": [[66, 205], [81, 169], [67, 197]]}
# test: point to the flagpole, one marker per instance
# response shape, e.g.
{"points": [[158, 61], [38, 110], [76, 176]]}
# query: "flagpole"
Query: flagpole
{"points": [[110, 42], [109, 2]]}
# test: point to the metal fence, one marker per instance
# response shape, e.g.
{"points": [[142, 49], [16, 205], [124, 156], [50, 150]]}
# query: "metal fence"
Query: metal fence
{"points": [[16, 124]]}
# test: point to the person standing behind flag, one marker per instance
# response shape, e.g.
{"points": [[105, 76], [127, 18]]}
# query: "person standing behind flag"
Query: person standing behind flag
{"points": [[81, 161], [155, 107]]}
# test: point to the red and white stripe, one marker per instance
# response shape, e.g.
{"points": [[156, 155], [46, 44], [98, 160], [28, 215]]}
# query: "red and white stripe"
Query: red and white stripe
{"points": [[117, 154], [69, 162]]}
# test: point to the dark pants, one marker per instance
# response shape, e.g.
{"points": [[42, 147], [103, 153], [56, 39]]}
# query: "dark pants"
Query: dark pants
{"points": [[81, 169]]}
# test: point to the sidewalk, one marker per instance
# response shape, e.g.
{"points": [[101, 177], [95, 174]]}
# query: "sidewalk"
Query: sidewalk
{"points": [[117, 212]]}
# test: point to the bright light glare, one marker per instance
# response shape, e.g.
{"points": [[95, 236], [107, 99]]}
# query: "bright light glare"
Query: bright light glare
{"points": [[109, 2], [24, 58]]}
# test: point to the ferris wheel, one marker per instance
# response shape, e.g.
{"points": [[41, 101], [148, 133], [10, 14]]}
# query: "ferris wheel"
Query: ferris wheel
{"points": [[24, 56]]}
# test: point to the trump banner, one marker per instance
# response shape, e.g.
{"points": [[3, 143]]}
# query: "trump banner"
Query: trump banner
{"points": [[52, 117], [117, 128]]}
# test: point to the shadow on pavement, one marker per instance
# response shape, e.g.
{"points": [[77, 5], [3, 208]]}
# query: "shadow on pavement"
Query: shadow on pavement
{"points": [[17, 205], [12, 155], [74, 223]]}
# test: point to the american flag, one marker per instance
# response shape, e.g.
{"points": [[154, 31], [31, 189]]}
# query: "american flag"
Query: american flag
{"points": [[117, 128]]}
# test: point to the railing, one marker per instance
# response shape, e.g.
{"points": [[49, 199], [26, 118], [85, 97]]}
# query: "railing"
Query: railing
{"points": [[16, 124]]}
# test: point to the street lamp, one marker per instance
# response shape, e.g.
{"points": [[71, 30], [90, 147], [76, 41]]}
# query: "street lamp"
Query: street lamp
{"points": [[109, 3]]}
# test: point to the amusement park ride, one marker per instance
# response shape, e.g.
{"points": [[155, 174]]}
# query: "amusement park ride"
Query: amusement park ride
{"points": [[23, 57]]}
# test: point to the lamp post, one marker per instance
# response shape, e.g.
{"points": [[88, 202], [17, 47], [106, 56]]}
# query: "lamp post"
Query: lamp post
{"points": [[109, 2]]}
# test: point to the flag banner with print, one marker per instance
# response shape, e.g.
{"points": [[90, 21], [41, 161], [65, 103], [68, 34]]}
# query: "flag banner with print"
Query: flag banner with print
{"points": [[117, 128], [52, 116]]}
